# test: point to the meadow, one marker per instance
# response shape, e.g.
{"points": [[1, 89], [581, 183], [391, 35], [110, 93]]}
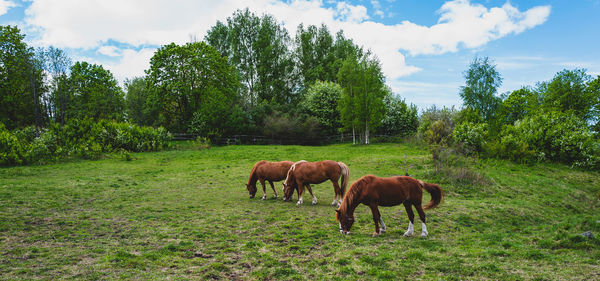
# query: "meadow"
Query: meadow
{"points": [[185, 213]]}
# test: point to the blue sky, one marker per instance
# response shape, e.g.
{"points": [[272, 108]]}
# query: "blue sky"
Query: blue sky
{"points": [[424, 46]]}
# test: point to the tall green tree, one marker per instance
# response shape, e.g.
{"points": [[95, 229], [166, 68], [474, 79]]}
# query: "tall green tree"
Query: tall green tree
{"points": [[93, 92], [21, 80], [258, 47], [482, 82], [348, 77], [315, 54], [135, 101], [191, 82], [361, 105]]}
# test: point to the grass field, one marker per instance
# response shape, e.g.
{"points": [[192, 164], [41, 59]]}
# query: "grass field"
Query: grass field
{"points": [[185, 214]]}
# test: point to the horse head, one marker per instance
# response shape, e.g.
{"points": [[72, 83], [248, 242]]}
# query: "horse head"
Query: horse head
{"points": [[251, 189], [288, 191], [345, 221]]}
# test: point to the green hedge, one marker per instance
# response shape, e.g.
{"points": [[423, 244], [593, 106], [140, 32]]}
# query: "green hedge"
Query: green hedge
{"points": [[78, 138]]}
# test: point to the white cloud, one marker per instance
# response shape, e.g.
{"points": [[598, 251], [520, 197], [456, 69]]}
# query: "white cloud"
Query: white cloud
{"points": [[90, 24], [133, 63], [5, 5], [110, 51]]}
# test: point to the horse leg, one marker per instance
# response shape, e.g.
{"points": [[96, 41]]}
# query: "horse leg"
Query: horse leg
{"points": [[338, 193], [411, 218], [423, 218], [314, 198], [273, 187], [300, 192], [262, 182], [376, 218]]}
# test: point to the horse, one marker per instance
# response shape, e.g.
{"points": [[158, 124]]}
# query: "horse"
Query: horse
{"points": [[375, 191], [269, 171], [304, 173]]}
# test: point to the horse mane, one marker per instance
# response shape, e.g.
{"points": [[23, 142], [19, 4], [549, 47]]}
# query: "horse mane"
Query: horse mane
{"points": [[291, 171], [354, 191]]}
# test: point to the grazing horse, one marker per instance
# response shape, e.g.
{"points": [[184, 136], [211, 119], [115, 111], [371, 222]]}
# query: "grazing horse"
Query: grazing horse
{"points": [[304, 173], [269, 171], [375, 191]]}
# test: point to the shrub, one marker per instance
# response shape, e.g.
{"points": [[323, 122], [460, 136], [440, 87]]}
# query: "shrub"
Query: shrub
{"points": [[553, 136], [436, 125], [471, 135], [11, 150], [80, 138]]}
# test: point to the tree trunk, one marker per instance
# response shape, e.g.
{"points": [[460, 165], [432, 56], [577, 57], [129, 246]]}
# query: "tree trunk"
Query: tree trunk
{"points": [[353, 136], [366, 133]]}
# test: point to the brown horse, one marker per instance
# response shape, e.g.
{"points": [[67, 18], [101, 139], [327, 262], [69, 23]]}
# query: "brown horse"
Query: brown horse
{"points": [[375, 191], [304, 173], [269, 171]]}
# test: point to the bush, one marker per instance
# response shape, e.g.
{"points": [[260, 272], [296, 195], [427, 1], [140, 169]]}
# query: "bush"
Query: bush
{"points": [[436, 125], [80, 138], [553, 136], [11, 150], [471, 135]]}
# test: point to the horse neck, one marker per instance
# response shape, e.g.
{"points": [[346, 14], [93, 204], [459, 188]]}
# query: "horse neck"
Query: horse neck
{"points": [[253, 177], [350, 202]]}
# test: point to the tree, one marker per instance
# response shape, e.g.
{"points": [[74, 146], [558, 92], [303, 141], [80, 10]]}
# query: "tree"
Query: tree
{"points": [[57, 64], [568, 92], [348, 77], [482, 82], [258, 48], [192, 81], [93, 92], [518, 104], [135, 101], [400, 119], [314, 54], [594, 90], [21, 80], [321, 101], [361, 105]]}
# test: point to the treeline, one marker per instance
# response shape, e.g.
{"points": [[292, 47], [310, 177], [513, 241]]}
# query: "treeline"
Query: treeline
{"points": [[248, 76], [556, 120]]}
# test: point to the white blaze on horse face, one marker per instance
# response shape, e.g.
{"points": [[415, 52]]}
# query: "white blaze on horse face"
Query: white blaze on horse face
{"points": [[410, 230], [424, 230]]}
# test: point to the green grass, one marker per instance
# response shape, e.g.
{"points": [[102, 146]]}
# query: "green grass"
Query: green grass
{"points": [[185, 214]]}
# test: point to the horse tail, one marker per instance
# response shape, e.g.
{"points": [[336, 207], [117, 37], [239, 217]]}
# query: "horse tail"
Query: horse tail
{"points": [[345, 177], [436, 194]]}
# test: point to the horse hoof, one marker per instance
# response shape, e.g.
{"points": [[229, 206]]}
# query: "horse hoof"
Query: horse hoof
{"points": [[424, 234], [382, 230], [375, 234], [263, 198], [408, 234], [314, 202]]}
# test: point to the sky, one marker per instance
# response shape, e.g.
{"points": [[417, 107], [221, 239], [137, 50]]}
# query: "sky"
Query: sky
{"points": [[424, 46]]}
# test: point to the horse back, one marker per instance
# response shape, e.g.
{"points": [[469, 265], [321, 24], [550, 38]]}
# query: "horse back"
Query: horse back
{"points": [[273, 171], [317, 172], [393, 191]]}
